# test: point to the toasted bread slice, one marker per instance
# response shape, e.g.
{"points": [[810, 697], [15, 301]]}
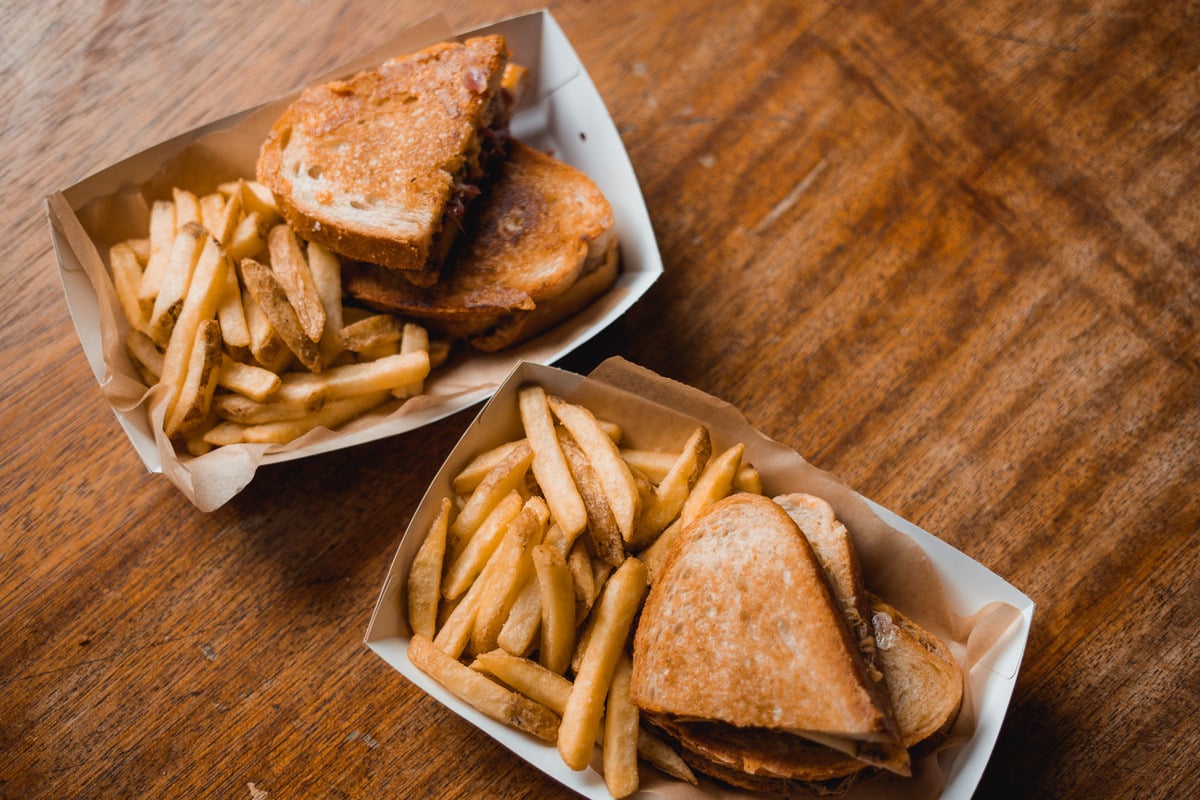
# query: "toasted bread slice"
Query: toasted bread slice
{"points": [[372, 166], [542, 248], [741, 627]]}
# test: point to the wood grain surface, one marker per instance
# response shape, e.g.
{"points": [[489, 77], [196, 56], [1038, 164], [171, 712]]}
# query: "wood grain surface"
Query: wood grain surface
{"points": [[949, 251]]}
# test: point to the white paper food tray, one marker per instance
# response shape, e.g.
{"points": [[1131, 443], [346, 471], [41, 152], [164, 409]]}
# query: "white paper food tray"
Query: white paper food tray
{"points": [[992, 659], [562, 112]]}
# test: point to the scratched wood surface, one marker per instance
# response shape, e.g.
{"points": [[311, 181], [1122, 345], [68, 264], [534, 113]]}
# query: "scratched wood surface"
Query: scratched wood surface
{"points": [[948, 251]]}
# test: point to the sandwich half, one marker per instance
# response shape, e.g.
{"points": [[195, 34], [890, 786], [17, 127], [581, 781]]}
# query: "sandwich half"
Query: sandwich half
{"points": [[542, 248], [743, 657], [381, 166]]}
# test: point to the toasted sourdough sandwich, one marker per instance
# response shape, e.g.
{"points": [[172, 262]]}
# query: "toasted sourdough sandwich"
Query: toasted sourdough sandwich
{"points": [[743, 656], [924, 691], [541, 249], [378, 166]]}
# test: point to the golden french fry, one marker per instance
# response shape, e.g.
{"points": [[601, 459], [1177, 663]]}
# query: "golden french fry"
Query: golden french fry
{"points": [[621, 733], [195, 397], [664, 757], [466, 561], [505, 477], [243, 410], [290, 266], [247, 241], [583, 581], [232, 315], [127, 280], [212, 212], [455, 631], [602, 525], [474, 472], [748, 480], [654, 464], [224, 433], [715, 482], [145, 355], [162, 236], [258, 199], [265, 345], [326, 269], [185, 251], [673, 489], [333, 413], [413, 338], [489, 697], [614, 614], [549, 464], [513, 567], [519, 632], [425, 576], [272, 299], [253, 382], [383, 374], [612, 473], [557, 591], [527, 677], [203, 296], [371, 331], [187, 207]]}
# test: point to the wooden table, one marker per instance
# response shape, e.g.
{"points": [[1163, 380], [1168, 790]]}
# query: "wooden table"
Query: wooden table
{"points": [[948, 251]]}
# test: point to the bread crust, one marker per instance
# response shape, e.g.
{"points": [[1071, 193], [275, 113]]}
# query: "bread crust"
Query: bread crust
{"points": [[368, 166]]}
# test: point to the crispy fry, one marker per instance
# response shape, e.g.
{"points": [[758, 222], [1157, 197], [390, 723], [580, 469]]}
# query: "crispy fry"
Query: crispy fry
{"points": [[371, 331], [383, 374], [212, 211], [467, 560], [272, 299], [502, 479], [520, 630], [204, 294], [485, 695], [673, 489], [195, 397], [258, 199], [187, 207], [612, 473], [425, 575], [549, 464], [470, 476], [247, 241], [162, 236], [714, 483], [265, 345], [290, 266], [621, 733], [224, 433], [242, 409], [557, 591], [145, 355], [602, 525], [185, 251], [334, 413], [583, 581], [414, 338], [527, 677], [127, 279], [253, 382], [326, 271], [232, 316], [654, 464], [513, 567], [614, 614]]}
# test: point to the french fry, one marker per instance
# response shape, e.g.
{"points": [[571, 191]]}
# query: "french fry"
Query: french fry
{"points": [[612, 473], [583, 580], [272, 299], [512, 567], [162, 236], [503, 478], [466, 561], [290, 266], [748, 480], [247, 240], [673, 489], [715, 482], [413, 338], [664, 757], [557, 591], [455, 631], [425, 575], [204, 294], [474, 472], [187, 207], [224, 433], [145, 355], [383, 374], [334, 413], [614, 614], [326, 271], [602, 525], [621, 727], [527, 677], [654, 464], [127, 280], [232, 316], [212, 212], [185, 251], [241, 409], [195, 397], [265, 345], [489, 697], [258, 199], [248, 380], [140, 248], [371, 331], [519, 633], [549, 464]]}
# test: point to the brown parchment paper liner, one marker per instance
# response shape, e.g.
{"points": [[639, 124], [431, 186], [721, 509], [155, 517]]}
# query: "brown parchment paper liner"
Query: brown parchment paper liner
{"points": [[894, 565], [113, 205]]}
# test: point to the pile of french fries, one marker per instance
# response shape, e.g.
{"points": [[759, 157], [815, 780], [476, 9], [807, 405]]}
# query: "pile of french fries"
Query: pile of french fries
{"points": [[245, 325], [524, 592]]}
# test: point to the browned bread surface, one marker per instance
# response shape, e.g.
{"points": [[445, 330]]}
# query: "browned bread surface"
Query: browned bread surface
{"points": [[367, 165], [741, 627]]}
